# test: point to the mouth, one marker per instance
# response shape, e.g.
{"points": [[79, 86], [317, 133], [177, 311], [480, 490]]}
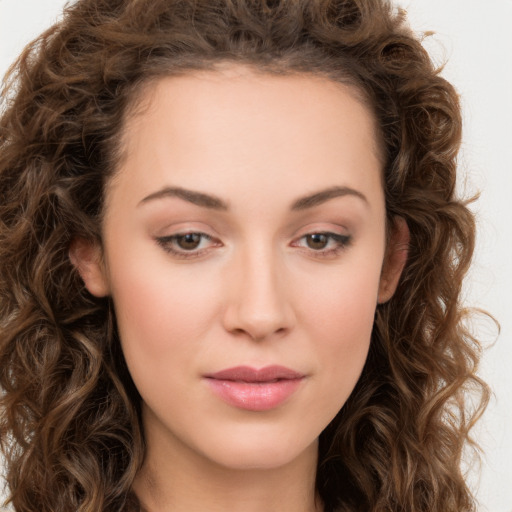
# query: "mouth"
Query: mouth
{"points": [[254, 389]]}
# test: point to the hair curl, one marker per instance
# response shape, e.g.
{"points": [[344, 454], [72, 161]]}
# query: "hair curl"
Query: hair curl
{"points": [[70, 425]]}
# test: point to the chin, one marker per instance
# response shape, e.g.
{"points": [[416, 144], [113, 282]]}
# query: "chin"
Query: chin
{"points": [[256, 453]]}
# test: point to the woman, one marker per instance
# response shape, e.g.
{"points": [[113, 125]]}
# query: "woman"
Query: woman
{"points": [[231, 259]]}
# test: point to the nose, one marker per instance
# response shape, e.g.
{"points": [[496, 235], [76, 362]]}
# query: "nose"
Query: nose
{"points": [[258, 305]]}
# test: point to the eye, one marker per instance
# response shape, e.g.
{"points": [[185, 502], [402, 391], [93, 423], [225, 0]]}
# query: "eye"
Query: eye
{"points": [[186, 245], [323, 243]]}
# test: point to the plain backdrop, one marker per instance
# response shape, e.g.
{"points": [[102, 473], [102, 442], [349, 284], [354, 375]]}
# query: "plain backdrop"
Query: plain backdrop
{"points": [[475, 38]]}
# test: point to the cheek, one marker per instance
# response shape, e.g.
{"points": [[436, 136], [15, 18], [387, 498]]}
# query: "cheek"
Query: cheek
{"points": [[343, 303], [340, 320], [159, 313], [345, 335]]}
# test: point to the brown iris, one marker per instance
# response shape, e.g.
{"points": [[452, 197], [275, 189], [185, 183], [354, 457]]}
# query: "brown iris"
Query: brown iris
{"points": [[317, 241], [189, 241]]}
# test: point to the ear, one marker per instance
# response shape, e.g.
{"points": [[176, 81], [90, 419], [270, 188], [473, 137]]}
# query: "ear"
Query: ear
{"points": [[87, 258], [394, 259]]}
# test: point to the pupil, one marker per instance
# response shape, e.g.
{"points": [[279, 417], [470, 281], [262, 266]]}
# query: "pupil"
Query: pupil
{"points": [[317, 241], [189, 241]]}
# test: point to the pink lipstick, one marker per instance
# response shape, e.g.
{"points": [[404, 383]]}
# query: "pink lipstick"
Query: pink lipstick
{"points": [[255, 389]]}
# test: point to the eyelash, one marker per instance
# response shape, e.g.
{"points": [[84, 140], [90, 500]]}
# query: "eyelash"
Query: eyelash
{"points": [[341, 242], [168, 243]]}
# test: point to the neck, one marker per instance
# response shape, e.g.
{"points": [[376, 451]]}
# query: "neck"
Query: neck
{"points": [[176, 479]]}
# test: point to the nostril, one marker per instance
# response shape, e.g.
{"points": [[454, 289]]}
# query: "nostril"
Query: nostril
{"points": [[257, 329]]}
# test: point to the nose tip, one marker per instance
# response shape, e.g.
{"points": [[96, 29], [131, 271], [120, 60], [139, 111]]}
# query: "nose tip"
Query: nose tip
{"points": [[257, 328], [258, 305]]}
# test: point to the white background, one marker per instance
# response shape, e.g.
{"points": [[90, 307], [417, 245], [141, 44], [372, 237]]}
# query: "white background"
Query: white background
{"points": [[477, 41]]}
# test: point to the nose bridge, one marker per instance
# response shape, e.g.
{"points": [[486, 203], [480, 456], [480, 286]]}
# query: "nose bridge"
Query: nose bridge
{"points": [[258, 304]]}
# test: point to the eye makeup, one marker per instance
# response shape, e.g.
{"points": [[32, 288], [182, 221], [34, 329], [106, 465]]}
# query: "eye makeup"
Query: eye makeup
{"points": [[323, 244], [191, 244], [194, 244]]}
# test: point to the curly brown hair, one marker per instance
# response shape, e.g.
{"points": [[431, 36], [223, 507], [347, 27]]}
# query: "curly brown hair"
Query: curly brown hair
{"points": [[70, 426]]}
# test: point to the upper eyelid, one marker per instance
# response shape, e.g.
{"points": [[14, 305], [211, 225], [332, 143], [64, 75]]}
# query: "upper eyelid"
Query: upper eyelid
{"points": [[318, 225], [186, 232], [174, 236], [334, 236], [333, 233], [339, 231], [183, 228]]}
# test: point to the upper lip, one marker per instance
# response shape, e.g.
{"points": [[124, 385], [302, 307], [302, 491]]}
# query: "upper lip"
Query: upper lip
{"points": [[249, 374]]}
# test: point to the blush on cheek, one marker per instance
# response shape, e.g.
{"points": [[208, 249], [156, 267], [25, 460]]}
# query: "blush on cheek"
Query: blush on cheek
{"points": [[157, 312], [343, 319], [348, 304]]}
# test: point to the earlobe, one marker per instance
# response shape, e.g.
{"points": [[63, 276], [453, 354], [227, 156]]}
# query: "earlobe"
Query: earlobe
{"points": [[86, 257], [395, 259]]}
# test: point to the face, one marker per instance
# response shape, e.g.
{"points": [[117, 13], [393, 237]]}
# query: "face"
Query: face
{"points": [[244, 244]]}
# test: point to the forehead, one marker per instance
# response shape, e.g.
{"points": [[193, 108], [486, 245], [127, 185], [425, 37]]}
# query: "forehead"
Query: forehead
{"points": [[238, 124], [229, 85]]}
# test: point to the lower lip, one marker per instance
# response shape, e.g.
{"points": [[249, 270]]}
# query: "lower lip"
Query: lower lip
{"points": [[254, 396]]}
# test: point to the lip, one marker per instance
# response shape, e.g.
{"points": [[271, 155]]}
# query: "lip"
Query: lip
{"points": [[255, 389]]}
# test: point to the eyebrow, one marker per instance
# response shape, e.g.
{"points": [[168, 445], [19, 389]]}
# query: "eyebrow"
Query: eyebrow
{"points": [[197, 198], [325, 195], [215, 203]]}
